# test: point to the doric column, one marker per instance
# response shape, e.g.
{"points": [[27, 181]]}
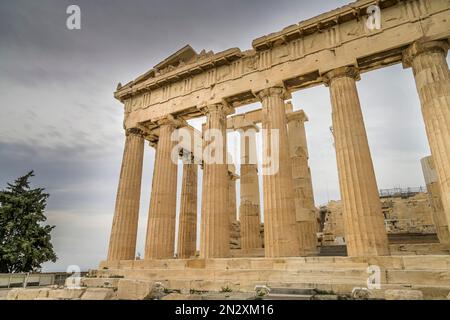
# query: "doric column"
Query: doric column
{"points": [[280, 231], [187, 231], [160, 242], [430, 68], [249, 209], [215, 221], [232, 177], [434, 194], [303, 191], [365, 233], [122, 243]]}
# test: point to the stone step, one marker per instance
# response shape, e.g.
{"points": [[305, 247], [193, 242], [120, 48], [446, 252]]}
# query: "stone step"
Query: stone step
{"points": [[388, 262], [321, 287], [411, 249], [303, 288], [338, 275], [245, 274], [247, 253], [429, 291], [184, 286], [238, 263], [262, 267], [430, 262], [293, 291], [100, 282], [422, 277], [389, 276], [340, 281]]}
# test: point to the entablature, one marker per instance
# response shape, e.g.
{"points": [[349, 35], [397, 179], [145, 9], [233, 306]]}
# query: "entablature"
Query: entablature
{"points": [[233, 77]]}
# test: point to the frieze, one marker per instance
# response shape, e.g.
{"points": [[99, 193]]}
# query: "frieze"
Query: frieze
{"points": [[336, 42]]}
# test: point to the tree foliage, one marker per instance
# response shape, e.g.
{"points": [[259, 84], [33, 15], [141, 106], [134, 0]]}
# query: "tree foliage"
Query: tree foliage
{"points": [[25, 241]]}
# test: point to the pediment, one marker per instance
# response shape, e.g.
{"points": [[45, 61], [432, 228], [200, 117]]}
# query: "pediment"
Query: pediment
{"points": [[183, 56]]}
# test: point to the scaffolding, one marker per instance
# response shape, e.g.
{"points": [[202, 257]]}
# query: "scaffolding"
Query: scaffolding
{"points": [[401, 192]]}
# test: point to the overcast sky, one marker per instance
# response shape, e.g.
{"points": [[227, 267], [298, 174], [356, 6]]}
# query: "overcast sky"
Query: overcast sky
{"points": [[59, 118]]}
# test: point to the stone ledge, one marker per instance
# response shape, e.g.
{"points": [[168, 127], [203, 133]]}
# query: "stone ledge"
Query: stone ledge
{"points": [[403, 295]]}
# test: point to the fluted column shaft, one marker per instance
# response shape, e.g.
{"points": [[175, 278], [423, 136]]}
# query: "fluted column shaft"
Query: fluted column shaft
{"points": [[232, 196], [280, 231], [303, 191], [432, 76], [122, 244], [249, 209], [365, 233], [215, 221], [187, 231], [434, 195], [160, 242]]}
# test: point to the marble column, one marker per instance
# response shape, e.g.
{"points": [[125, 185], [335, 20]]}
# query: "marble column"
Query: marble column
{"points": [[365, 233], [232, 196], [187, 230], [215, 217], [432, 76], [160, 242], [303, 191], [280, 230], [122, 243], [434, 194], [249, 209]]}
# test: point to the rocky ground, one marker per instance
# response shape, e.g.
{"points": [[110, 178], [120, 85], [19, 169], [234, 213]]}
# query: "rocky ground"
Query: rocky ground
{"points": [[158, 293]]}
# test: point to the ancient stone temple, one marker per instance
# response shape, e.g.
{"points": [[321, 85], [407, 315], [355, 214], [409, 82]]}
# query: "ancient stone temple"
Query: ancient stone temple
{"points": [[335, 49]]}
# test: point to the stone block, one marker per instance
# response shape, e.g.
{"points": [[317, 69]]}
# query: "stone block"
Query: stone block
{"points": [[129, 289], [158, 291], [13, 293], [418, 277], [98, 294], [31, 294], [66, 294], [100, 282], [4, 294], [196, 263], [431, 262], [361, 294], [403, 294]]}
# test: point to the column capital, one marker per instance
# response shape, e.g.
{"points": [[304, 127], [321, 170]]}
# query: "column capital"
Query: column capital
{"points": [[273, 91], [223, 107], [152, 140], [247, 126], [299, 115], [348, 71], [420, 47], [152, 134], [171, 121], [134, 131]]}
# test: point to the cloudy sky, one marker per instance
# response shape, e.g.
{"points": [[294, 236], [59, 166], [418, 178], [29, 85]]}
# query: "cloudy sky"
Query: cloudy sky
{"points": [[59, 118]]}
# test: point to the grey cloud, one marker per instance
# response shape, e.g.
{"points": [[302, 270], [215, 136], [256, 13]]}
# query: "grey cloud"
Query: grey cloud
{"points": [[59, 117]]}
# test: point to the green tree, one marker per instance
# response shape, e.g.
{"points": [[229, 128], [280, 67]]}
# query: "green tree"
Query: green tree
{"points": [[25, 241]]}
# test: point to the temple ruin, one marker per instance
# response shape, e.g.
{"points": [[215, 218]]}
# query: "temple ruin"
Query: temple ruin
{"points": [[334, 49]]}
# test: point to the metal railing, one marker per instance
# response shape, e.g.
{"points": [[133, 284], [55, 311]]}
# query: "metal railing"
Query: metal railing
{"points": [[23, 280], [401, 192]]}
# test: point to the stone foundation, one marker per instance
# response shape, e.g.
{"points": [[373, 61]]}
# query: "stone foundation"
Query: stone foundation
{"points": [[340, 275]]}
